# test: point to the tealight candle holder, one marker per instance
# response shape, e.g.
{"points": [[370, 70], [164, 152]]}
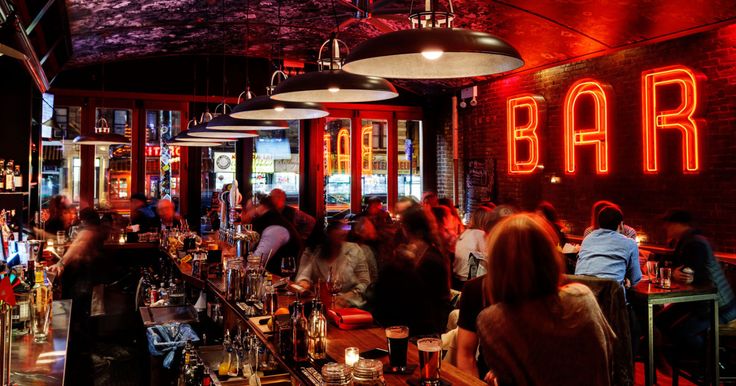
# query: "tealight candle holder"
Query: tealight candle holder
{"points": [[352, 356]]}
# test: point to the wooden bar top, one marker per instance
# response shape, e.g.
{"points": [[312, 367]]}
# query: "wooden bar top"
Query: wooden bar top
{"points": [[43, 364]]}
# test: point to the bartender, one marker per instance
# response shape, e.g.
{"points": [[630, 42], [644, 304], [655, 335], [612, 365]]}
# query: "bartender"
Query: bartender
{"points": [[167, 214], [279, 238]]}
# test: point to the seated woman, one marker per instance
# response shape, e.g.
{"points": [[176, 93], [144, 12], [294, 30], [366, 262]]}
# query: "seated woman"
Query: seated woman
{"points": [[413, 289], [471, 241], [537, 332], [344, 259]]}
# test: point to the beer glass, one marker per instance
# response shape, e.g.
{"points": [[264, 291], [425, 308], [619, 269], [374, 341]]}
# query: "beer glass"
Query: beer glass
{"points": [[665, 276], [398, 343], [430, 353], [652, 271]]}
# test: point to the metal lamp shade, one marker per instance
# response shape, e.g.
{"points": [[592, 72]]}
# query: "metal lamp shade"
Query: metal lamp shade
{"points": [[226, 122], [184, 137], [101, 139], [433, 53], [226, 135], [265, 108], [334, 86], [194, 144]]}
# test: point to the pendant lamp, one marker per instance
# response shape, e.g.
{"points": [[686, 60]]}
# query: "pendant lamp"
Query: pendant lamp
{"points": [[195, 144], [265, 108], [432, 49], [333, 84], [102, 136], [226, 122]]}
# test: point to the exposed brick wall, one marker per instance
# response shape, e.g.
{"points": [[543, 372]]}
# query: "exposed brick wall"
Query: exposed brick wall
{"points": [[710, 194]]}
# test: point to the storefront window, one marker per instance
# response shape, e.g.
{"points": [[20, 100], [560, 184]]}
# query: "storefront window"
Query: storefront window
{"points": [[276, 162], [113, 162], [162, 161], [60, 170], [410, 164], [337, 166], [374, 162]]}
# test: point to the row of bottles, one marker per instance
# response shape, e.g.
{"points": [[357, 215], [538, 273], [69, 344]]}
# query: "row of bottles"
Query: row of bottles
{"points": [[241, 355], [309, 336], [11, 179], [166, 293], [193, 371]]}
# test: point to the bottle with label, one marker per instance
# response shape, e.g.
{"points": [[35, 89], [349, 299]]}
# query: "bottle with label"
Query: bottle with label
{"points": [[17, 179], [41, 306], [299, 334], [317, 332], [9, 176]]}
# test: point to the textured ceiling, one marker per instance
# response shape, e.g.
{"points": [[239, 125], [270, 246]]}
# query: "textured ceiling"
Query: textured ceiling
{"points": [[544, 31]]}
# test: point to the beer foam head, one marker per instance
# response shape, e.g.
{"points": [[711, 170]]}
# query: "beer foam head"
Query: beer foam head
{"points": [[397, 332], [429, 344]]}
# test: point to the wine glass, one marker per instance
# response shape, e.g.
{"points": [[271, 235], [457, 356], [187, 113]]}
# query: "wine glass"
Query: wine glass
{"points": [[288, 269], [334, 285]]}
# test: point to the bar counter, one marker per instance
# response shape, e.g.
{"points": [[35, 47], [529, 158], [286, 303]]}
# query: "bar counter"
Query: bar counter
{"points": [[43, 364], [365, 339]]}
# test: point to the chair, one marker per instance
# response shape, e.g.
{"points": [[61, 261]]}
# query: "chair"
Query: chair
{"points": [[612, 301]]}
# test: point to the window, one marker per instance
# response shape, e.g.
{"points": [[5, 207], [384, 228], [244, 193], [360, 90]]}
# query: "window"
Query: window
{"points": [[162, 169], [374, 162], [276, 162], [410, 161], [113, 162], [336, 143], [60, 169], [218, 169]]}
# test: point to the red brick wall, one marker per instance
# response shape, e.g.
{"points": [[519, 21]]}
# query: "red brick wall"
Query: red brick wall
{"points": [[710, 194]]}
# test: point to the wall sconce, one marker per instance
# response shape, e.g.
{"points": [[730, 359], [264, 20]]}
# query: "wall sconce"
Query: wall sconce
{"points": [[555, 179]]}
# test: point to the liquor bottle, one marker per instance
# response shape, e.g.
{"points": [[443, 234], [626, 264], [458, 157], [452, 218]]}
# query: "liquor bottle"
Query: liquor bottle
{"points": [[9, 176], [299, 334], [224, 366], [17, 179], [41, 306], [2, 174], [317, 332], [163, 294]]}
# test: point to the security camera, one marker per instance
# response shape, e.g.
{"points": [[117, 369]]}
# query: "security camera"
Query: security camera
{"points": [[463, 104], [474, 102]]}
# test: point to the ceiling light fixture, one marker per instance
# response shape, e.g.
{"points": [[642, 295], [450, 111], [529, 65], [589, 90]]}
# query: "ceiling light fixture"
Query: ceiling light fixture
{"points": [[226, 122], [333, 84], [432, 49], [101, 136], [265, 108], [201, 131]]}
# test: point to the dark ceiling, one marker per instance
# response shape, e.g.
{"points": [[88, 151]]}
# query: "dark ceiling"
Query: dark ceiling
{"points": [[545, 32]]}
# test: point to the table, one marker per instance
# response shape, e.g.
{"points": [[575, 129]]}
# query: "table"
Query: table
{"points": [[682, 293], [43, 364]]}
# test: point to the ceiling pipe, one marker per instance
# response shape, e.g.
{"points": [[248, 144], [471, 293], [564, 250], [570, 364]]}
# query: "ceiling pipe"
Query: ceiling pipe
{"points": [[23, 44]]}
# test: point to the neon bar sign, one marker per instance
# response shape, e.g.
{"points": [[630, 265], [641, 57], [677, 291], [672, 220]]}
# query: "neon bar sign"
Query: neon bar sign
{"points": [[655, 117]]}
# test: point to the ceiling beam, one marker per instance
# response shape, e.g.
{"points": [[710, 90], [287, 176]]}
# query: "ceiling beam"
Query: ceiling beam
{"points": [[40, 16]]}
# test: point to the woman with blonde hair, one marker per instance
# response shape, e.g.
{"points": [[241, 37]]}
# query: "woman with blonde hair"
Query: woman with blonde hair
{"points": [[538, 331]]}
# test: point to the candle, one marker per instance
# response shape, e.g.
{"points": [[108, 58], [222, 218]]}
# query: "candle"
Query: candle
{"points": [[352, 355]]}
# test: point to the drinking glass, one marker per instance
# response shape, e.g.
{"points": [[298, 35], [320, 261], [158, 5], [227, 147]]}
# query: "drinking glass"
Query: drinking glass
{"points": [[334, 284], [288, 269], [665, 275], [430, 353], [398, 343], [60, 237], [652, 271]]}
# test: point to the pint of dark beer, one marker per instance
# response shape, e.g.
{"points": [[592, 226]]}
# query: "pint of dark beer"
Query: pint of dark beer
{"points": [[430, 353], [398, 343]]}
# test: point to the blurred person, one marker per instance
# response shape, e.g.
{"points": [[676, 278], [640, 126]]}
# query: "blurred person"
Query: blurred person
{"points": [[413, 289], [404, 203], [141, 213], [457, 222], [527, 331], [167, 215], [61, 215], [375, 213], [597, 206], [430, 199], [364, 233], [345, 260], [472, 301], [685, 324], [471, 241], [608, 254], [279, 238], [446, 229], [303, 222], [548, 211]]}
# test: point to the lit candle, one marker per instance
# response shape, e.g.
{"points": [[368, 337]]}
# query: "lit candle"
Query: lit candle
{"points": [[121, 241], [352, 356]]}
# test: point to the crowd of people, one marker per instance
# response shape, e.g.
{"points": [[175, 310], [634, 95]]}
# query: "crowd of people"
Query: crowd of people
{"points": [[496, 289]]}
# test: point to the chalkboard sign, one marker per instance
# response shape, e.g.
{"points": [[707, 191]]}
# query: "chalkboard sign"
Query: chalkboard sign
{"points": [[479, 177]]}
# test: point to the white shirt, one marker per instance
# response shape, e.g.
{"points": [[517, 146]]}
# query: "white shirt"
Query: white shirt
{"points": [[470, 241], [273, 238]]}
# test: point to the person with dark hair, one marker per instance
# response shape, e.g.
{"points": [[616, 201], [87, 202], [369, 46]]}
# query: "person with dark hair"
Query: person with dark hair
{"points": [[413, 289], [548, 211], [430, 199], [608, 254], [685, 324], [446, 229], [303, 222], [344, 260], [526, 333], [279, 238], [167, 215], [61, 215], [597, 206], [471, 242], [456, 222], [141, 213]]}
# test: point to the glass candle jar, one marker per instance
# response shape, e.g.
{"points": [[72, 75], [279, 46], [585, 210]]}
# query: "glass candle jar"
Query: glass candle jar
{"points": [[368, 372], [337, 374]]}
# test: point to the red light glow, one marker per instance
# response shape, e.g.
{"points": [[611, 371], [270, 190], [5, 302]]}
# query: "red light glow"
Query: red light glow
{"points": [[598, 135], [523, 133]]}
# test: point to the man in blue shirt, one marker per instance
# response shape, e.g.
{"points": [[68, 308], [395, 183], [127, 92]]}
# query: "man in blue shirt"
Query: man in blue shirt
{"points": [[608, 254]]}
